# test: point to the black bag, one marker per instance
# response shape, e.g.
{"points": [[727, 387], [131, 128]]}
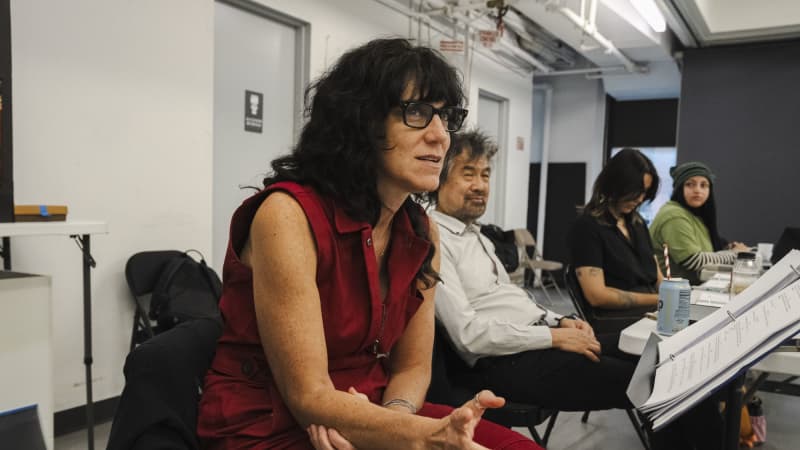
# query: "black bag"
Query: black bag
{"points": [[187, 289], [505, 246]]}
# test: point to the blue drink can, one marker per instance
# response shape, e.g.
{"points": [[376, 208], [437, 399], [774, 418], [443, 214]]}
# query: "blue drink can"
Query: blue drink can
{"points": [[673, 306]]}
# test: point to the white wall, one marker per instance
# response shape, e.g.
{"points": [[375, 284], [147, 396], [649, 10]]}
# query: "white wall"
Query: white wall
{"points": [[577, 123], [112, 117], [519, 91], [113, 109]]}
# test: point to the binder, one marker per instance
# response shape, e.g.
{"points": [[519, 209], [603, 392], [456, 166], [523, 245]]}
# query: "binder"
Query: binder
{"points": [[677, 372]]}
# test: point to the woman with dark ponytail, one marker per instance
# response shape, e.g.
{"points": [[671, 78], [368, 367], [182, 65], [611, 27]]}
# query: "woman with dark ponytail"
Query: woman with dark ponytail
{"points": [[688, 224], [330, 271]]}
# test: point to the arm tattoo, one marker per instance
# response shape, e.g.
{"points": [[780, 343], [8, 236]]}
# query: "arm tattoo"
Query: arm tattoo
{"points": [[589, 271], [625, 299]]}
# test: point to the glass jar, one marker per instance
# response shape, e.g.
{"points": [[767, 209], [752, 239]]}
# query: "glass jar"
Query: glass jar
{"points": [[745, 272]]}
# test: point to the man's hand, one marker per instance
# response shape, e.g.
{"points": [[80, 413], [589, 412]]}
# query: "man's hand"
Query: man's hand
{"points": [[577, 341], [566, 322]]}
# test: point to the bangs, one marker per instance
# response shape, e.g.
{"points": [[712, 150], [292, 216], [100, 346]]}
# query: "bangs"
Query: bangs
{"points": [[377, 76], [435, 81]]}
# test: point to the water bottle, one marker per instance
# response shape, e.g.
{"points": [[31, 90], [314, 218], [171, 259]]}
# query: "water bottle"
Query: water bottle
{"points": [[745, 272]]}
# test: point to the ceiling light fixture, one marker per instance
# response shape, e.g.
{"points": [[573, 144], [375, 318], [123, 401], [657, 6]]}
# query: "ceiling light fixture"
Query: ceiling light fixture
{"points": [[651, 14]]}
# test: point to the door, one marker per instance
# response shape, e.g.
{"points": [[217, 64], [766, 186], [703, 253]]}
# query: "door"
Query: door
{"points": [[492, 120], [260, 69]]}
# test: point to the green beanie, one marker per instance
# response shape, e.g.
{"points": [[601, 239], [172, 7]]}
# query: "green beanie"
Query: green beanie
{"points": [[687, 170]]}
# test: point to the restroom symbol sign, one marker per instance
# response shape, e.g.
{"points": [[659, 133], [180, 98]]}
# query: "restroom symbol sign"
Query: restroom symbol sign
{"points": [[253, 111]]}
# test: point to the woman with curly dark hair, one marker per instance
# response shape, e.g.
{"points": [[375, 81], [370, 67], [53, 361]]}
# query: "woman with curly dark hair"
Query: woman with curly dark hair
{"points": [[330, 271]]}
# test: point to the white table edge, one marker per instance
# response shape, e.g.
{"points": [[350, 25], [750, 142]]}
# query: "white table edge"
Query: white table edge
{"points": [[69, 227], [633, 339]]}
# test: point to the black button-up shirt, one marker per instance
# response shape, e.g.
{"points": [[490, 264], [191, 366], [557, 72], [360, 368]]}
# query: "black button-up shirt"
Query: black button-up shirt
{"points": [[627, 264]]}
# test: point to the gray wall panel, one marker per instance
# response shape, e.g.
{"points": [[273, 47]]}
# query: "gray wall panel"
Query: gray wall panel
{"points": [[740, 113]]}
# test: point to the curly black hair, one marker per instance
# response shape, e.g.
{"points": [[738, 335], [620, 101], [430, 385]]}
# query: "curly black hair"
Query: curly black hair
{"points": [[346, 110]]}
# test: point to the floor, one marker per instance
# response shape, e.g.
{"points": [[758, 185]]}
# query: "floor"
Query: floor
{"points": [[604, 429]]}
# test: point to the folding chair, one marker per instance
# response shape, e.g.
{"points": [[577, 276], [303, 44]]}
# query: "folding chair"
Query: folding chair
{"points": [[536, 263], [452, 382], [142, 272]]}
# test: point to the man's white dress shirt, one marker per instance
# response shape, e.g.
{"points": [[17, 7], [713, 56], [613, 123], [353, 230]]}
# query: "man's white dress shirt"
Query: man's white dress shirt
{"points": [[483, 312]]}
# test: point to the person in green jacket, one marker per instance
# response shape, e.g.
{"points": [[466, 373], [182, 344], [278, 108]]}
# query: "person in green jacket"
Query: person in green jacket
{"points": [[688, 225]]}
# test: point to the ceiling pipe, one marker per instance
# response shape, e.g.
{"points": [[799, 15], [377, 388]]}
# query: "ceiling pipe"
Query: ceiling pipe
{"points": [[525, 56], [515, 24], [587, 71], [590, 30], [441, 6], [592, 16], [391, 4]]}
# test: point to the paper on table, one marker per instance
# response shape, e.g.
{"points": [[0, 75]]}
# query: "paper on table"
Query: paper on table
{"points": [[709, 298], [721, 284]]}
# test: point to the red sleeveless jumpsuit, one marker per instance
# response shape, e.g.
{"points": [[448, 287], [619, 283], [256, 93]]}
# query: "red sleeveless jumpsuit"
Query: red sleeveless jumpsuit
{"points": [[241, 406]]}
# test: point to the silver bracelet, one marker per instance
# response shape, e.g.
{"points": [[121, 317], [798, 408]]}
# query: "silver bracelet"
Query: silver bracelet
{"points": [[402, 402]]}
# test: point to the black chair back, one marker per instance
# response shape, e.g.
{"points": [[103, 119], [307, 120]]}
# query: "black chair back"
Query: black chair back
{"points": [[576, 293], [143, 269], [449, 373], [163, 377], [453, 383]]}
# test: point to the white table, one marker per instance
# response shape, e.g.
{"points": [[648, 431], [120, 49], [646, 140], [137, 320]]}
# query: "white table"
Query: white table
{"points": [[633, 339], [81, 232]]}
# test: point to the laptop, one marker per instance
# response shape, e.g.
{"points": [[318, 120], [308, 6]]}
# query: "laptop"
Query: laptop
{"points": [[789, 239]]}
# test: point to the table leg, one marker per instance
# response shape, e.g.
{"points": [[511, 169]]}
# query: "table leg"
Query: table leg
{"points": [[88, 263]]}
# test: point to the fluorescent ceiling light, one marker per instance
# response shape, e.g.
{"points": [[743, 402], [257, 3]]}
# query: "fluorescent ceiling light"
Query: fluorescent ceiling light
{"points": [[651, 14]]}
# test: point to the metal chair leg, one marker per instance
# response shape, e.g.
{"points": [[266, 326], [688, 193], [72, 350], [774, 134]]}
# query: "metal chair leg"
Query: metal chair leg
{"points": [[535, 435], [585, 416], [550, 424], [549, 301], [555, 285]]}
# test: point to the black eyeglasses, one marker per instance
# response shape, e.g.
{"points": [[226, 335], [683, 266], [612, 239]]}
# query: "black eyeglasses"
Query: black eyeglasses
{"points": [[419, 115]]}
